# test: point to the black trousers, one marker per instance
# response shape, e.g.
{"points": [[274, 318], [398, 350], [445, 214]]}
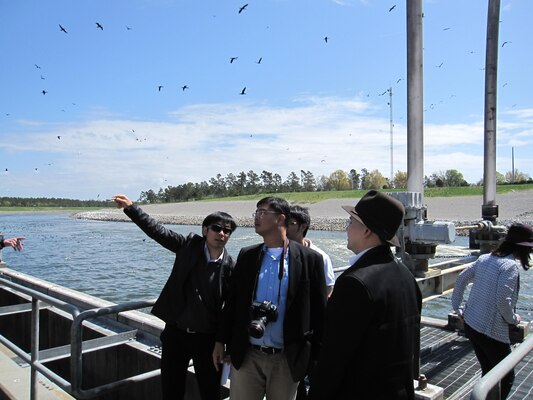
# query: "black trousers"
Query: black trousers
{"points": [[179, 347], [489, 353]]}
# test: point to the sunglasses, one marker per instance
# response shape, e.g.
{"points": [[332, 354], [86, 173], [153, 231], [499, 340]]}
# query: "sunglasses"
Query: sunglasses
{"points": [[217, 228]]}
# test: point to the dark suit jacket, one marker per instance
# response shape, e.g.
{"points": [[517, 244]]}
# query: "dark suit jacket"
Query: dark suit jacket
{"points": [[372, 332], [306, 302], [188, 250]]}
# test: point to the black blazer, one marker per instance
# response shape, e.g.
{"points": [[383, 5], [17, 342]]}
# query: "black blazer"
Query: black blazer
{"points": [[306, 302], [188, 250], [372, 332]]}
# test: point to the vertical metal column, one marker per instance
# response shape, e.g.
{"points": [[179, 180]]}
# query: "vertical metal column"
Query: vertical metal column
{"points": [[391, 139], [34, 347], [491, 81], [415, 98]]}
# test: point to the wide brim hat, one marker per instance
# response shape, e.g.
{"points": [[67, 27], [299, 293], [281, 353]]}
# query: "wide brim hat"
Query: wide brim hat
{"points": [[520, 234], [380, 213]]}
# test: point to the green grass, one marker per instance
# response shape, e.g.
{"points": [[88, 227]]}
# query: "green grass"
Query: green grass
{"points": [[315, 197]]}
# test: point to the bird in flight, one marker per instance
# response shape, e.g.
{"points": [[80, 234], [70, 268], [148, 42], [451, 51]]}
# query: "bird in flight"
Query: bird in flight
{"points": [[392, 8], [440, 65], [99, 26], [243, 91], [128, 28], [231, 59], [260, 59], [326, 39], [42, 77], [242, 8], [36, 66], [44, 92], [58, 137], [62, 29], [160, 87], [504, 43], [184, 87]]}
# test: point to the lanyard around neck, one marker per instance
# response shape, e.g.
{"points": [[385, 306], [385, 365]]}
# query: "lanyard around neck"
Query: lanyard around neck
{"points": [[280, 272]]}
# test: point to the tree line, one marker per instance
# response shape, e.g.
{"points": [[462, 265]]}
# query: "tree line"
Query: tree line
{"points": [[253, 183], [50, 202]]}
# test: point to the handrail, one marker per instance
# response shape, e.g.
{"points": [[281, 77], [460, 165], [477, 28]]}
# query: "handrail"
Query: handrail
{"points": [[488, 382], [78, 317], [76, 360]]}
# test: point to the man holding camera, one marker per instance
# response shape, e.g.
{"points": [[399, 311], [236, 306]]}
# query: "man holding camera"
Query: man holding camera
{"points": [[272, 320]]}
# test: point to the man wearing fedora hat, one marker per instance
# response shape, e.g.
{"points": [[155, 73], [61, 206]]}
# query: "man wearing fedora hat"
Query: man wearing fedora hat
{"points": [[372, 327], [490, 307]]}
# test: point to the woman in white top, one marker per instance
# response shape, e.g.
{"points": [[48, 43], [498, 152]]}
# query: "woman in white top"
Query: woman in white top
{"points": [[489, 309]]}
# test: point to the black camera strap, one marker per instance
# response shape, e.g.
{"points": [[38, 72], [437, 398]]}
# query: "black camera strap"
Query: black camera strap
{"points": [[280, 272]]}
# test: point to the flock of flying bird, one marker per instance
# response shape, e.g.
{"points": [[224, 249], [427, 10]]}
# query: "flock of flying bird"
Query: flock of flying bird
{"points": [[231, 59], [242, 9], [160, 87]]}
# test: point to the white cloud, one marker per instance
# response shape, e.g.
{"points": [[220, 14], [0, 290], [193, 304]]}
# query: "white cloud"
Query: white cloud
{"points": [[317, 134]]}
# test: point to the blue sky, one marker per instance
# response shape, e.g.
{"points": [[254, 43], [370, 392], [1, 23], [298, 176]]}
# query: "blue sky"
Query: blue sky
{"points": [[104, 127]]}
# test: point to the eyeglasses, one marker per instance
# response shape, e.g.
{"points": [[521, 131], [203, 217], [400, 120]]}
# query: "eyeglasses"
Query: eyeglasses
{"points": [[217, 228], [348, 223], [260, 213]]}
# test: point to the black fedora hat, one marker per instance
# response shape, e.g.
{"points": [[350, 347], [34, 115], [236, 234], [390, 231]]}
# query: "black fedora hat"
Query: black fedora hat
{"points": [[520, 234], [381, 213]]}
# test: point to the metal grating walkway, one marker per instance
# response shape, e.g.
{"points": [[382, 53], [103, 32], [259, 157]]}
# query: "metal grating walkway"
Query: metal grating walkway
{"points": [[448, 360]]}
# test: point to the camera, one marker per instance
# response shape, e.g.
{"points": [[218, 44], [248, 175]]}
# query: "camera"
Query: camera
{"points": [[263, 312]]}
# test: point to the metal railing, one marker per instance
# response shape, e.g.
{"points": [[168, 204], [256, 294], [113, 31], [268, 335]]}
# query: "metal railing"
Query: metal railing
{"points": [[483, 389], [77, 346]]}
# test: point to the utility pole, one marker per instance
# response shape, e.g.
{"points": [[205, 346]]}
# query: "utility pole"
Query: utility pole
{"points": [[512, 166], [391, 138]]}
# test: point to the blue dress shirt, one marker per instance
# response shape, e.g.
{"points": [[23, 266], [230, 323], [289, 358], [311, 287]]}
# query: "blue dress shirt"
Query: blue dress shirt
{"points": [[268, 287]]}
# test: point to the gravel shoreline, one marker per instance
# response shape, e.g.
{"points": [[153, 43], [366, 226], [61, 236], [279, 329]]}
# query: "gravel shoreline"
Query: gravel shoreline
{"points": [[328, 215]]}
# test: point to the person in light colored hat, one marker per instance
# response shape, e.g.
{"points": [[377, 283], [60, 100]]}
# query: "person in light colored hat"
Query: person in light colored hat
{"points": [[372, 332], [490, 307]]}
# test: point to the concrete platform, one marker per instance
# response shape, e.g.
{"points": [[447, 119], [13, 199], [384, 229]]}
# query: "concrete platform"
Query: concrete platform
{"points": [[15, 381]]}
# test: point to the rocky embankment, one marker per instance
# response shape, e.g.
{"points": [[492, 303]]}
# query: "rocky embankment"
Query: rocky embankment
{"points": [[328, 215]]}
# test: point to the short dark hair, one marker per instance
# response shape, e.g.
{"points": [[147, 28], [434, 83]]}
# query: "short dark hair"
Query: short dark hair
{"points": [[301, 215], [506, 248], [277, 204], [220, 217]]}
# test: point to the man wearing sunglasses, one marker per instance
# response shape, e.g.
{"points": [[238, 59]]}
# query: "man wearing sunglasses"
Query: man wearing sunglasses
{"points": [[272, 321], [191, 299]]}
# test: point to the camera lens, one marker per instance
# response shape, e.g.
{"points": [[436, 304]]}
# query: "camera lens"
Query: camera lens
{"points": [[256, 329]]}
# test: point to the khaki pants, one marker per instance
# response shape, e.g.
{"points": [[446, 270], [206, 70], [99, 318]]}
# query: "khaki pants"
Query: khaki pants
{"points": [[262, 374]]}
